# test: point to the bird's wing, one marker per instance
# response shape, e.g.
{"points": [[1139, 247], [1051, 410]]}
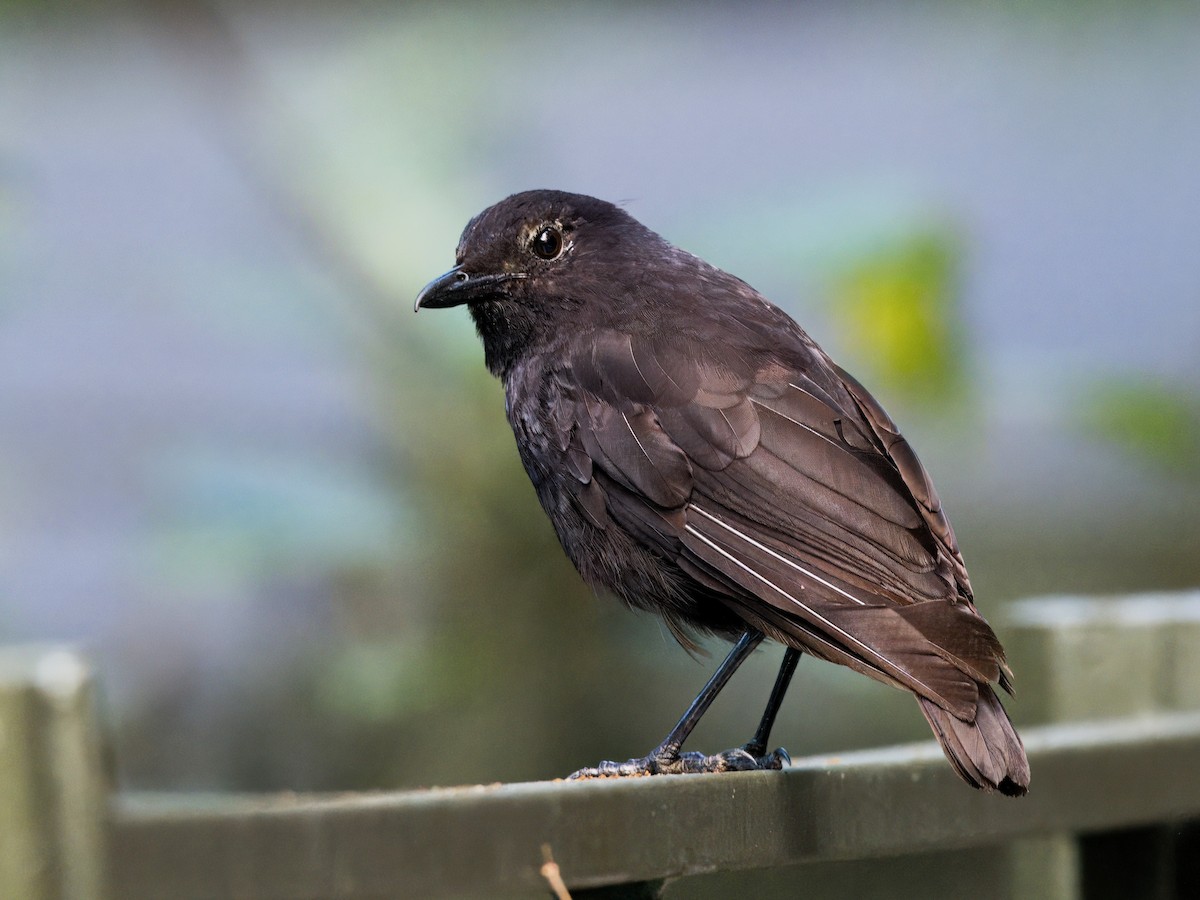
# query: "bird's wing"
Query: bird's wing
{"points": [[915, 476], [772, 481]]}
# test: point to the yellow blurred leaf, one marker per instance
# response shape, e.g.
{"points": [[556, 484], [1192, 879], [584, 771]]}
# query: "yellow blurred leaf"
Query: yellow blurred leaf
{"points": [[897, 309]]}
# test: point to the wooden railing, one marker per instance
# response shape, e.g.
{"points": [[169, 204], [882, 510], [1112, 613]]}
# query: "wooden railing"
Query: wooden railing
{"points": [[1116, 784]]}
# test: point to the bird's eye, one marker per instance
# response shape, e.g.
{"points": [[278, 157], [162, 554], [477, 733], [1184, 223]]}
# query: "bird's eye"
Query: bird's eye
{"points": [[548, 243]]}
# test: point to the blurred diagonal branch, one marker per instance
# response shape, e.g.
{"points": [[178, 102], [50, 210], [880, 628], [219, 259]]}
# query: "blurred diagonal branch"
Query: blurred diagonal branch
{"points": [[218, 61]]}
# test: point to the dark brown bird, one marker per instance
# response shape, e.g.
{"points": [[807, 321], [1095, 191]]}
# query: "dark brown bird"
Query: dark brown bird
{"points": [[701, 457]]}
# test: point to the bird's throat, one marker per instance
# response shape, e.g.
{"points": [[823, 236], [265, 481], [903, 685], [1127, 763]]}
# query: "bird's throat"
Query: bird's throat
{"points": [[507, 331]]}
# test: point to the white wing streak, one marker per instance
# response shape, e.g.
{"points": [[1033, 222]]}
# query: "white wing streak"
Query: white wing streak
{"points": [[871, 654], [783, 559], [637, 440], [808, 428]]}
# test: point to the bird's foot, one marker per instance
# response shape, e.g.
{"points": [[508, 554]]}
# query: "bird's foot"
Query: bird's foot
{"points": [[739, 759]]}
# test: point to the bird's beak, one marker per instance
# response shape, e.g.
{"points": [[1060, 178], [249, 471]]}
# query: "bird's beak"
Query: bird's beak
{"points": [[456, 287]]}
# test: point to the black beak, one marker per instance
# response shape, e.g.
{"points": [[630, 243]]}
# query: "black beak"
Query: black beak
{"points": [[456, 287]]}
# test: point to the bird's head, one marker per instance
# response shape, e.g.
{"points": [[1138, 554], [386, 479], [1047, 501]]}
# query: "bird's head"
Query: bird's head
{"points": [[535, 262], [536, 243]]}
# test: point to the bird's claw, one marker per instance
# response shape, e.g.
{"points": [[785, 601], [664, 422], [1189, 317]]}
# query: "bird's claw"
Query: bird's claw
{"points": [[739, 759]]}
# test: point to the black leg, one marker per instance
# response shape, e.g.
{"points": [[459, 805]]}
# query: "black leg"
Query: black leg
{"points": [[758, 745], [743, 648], [666, 759]]}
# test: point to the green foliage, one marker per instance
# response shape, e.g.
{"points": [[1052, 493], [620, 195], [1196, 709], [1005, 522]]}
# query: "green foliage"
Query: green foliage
{"points": [[896, 308], [1155, 423], [886, 262]]}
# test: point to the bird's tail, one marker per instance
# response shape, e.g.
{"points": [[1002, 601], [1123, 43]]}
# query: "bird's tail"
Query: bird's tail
{"points": [[987, 751]]}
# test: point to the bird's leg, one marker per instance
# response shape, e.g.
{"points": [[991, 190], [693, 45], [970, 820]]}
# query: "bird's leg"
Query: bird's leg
{"points": [[758, 743], [666, 759], [753, 755]]}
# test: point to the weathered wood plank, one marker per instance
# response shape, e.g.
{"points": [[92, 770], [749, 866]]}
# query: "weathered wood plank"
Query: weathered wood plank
{"points": [[52, 791], [1090, 657], [487, 841]]}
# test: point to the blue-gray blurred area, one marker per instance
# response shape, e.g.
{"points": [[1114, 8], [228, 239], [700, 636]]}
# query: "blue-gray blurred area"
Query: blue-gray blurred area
{"points": [[286, 515]]}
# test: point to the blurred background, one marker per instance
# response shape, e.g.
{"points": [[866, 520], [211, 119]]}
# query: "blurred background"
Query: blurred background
{"points": [[287, 517]]}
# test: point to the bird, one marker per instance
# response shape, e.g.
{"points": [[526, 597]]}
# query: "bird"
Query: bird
{"points": [[702, 458]]}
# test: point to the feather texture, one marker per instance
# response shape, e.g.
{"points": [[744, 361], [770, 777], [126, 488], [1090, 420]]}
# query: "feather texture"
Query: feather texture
{"points": [[770, 485], [700, 456]]}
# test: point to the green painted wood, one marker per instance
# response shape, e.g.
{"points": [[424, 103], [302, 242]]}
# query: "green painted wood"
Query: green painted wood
{"points": [[1076, 658], [487, 841], [53, 795], [1100, 657], [23, 833], [1034, 868]]}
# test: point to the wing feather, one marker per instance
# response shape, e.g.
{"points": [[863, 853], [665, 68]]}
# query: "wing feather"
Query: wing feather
{"points": [[875, 633], [632, 448], [790, 486], [914, 474]]}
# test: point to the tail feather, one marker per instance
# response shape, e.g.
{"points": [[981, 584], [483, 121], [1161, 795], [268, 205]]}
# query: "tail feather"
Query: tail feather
{"points": [[986, 752]]}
